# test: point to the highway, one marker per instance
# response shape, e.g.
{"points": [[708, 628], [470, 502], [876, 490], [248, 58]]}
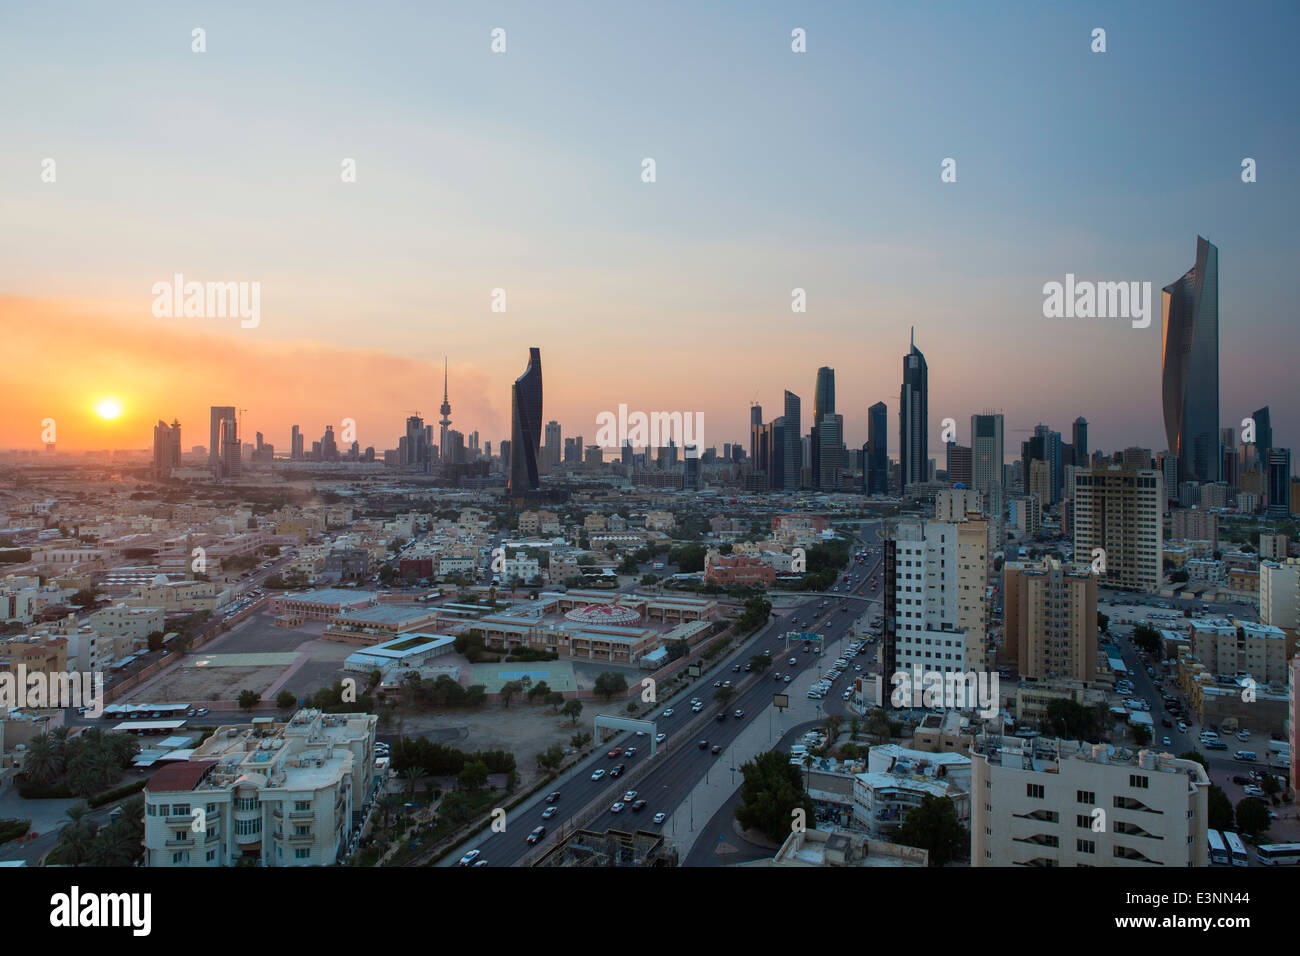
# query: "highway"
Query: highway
{"points": [[671, 784]]}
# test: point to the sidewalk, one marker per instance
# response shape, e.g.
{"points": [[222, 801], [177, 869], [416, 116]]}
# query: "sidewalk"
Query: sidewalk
{"points": [[686, 823]]}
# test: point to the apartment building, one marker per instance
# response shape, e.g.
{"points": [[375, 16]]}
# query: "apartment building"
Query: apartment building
{"points": [[1048, 802], [925, 597], [1118, 510], [1279, 594], [1235, 647], [1273, 547], [124, 620], [287, 794], [954, 504], [897, 780], [1050, 619], [1194, 524]]}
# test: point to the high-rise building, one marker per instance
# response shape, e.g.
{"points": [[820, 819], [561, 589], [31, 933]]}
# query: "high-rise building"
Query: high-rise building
{"points": [[220, 414], [1079, 438], [876, 473], [926, 591], [824, 396], [755, 421], [329, 448], [166, 448], [551, 450], [1277, 482], [792, 447], [295, 443], [913, 418], [1050, 616], [526, 426], [986, 450], [1118, 510], [829, 450], [1263, 436], [959, 464], [1190, 318]]}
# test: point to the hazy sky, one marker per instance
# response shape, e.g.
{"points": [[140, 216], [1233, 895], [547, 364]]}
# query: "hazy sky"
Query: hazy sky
{"points": [[522, 171]]}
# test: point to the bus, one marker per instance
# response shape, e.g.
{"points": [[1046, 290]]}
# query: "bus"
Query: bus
{"points": [[1278, 854], [1236, 849], [1218, 849]]}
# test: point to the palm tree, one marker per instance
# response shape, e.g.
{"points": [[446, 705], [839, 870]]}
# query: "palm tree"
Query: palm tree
{"points": [[77, 838]]}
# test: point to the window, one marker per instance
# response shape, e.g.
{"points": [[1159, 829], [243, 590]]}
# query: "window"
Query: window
{"points": [[301, 854], [1034, 791], [1083, 822], [1138, 781], [1085, 846]]}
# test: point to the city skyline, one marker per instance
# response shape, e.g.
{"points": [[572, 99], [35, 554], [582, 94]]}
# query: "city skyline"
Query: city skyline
{"points": [[555, 214]]}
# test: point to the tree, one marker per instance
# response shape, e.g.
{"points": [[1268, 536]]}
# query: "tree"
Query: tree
{"points": [[1219, 809], [550, 758], [1252, 817], [556, 700], [84, 597], [579, 741], [723, 694], [285, 699], [474, 775], [155, 640], [1146, 639], [509, 689], [540, 689], [609, 683], [770, 794], [248, 699], [1141, 734], [572, 710], [934, 826], [760, 662], [1103, 622]]}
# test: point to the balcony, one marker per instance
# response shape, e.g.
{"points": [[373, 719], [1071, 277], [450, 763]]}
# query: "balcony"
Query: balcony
{"points": [[178, 842]]}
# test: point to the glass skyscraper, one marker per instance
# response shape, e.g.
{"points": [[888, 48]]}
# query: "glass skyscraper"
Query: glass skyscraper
{"points": [[526, 426], [876, 469], [1190, 318], [913, 418]]}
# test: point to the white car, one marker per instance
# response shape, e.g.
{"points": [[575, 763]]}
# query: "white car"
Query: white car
{"points": [[660, 817], [469, 857], [660, 738], [596, 775], [617, 807], [668, 712]]}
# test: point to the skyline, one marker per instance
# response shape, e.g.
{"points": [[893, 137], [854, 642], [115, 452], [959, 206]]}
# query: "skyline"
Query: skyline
{"points": [[669, 295]]}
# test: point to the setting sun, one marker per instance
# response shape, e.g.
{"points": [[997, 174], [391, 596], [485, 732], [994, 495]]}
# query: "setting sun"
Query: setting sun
{"points": [[108, 408]]}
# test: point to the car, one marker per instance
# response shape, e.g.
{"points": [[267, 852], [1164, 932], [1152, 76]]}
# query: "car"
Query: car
{"points": [[640, 733], [721, 716], [616, 752], [848, 694], [776, 675], [857, 667], [749, 667], [1166, 722], [738, 714], [1243, 735], [1246, 755], [630, 796], [660, 738], [189, 713], [726, 683], [704, 745], [469, 857], [716, 748], [793, 662], [717, 683], [536, 834], [668, 712], [1182, 726], [769, 654], [617, 807], [696, 708], [1166, 742], [596, 775], [735, 668], [1253, 791], [638, 806], [481, 863], [618, 771], [786, 678], [549, 812], [1214, 745], [660, 817], [630, 752], [1238, 778]]}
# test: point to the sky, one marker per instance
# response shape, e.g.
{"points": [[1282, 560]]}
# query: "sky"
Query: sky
{"points": [[522, 171]]}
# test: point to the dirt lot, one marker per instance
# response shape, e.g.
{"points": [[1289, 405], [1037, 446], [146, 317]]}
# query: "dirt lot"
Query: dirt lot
{"points": [[212, 683], [524, 729]]}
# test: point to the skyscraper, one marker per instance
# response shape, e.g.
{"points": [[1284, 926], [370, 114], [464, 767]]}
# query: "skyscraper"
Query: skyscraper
{"points": [[755, 422], [553, 448], [166, 448], [824, 396], [526, 426], [295, 444], [986, 451], [1277, 482], [1190, 318], [1117, 517], [1079, 435], [913, 416], [876, 470], [792, 446], [219, 414], [829, 450]]}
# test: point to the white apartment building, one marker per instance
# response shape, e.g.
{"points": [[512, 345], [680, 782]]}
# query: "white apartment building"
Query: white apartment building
{"points": [[927, 589], [953, 504], [1279, 593], [282, 794], [1273, 547], [1046, 802], [1235, 647], [520, 568]]}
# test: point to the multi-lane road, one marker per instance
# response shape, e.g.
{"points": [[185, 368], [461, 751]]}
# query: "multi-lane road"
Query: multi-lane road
{"points": [[671, 783]]}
